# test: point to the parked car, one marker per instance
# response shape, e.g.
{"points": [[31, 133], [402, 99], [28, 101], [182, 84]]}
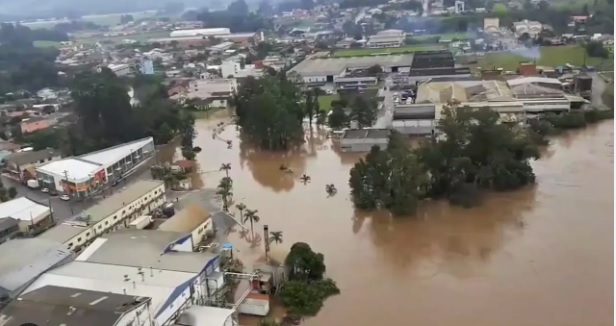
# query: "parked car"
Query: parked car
{"points": [[65, 197], [53, 193], [45, 190]]}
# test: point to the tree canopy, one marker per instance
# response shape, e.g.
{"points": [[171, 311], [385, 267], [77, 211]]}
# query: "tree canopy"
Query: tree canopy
{"points": [[475, 152], [270, 111], [306, 289], [105, 116], [237, 18]]}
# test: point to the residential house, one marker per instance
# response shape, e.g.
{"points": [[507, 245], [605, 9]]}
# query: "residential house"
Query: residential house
{"points": [[213, 93], [36, 123], [33, 218], [22, 165]]}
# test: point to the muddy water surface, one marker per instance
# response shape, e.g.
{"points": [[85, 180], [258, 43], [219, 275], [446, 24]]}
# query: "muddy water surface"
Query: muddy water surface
{"points": [[542, 256]]}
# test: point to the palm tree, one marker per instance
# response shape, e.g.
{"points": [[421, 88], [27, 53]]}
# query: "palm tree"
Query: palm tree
{"points": [[226, 167], [225, 191], [251, 215], [241, 207], [275, 236], [305, 178]]}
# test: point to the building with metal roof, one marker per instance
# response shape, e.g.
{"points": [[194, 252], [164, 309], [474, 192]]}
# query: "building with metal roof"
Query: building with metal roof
{"points": [[194, 220], [57, 305], [112, 213], [31, 215], [87, 174], [23, 260]]}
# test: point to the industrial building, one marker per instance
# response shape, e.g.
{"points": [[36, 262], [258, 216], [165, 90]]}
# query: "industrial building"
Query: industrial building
{"points": [[412, 67], [85, 175], [193, 220], [172, 281], [516, 99], [201, 32], [23, 260], [362, 140], [390, 38], [59, 305], [112, 213]]}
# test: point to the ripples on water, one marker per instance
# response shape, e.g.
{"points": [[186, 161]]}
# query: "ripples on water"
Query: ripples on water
{"points": [[540, 256]]}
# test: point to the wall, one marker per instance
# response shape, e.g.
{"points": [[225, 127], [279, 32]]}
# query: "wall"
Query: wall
{"points": [[176, 306], [121, 218], [140, 316], [199, 232], [315, 79], [362, 145]]}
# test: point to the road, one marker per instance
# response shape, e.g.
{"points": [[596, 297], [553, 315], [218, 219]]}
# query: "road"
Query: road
{"points": [[598, 87], [386, 114]]}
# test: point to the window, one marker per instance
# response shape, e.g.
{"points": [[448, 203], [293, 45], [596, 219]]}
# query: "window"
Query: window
{"points": [[100, 227], [115, 217], [87, 234], [70, 244], [106, 222], [78, 239]]}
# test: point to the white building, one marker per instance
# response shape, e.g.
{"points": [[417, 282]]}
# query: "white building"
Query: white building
{"points": [[220, 48], [532, 28], [87, 174], [201, 32], [390, 38], [362, 140], [215, 93], [193, 220], [112, 213], [67, 305], [121, 69], [143, 263], [31, 215], [233, 68]]}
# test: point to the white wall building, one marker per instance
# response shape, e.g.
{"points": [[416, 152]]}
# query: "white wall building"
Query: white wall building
{"points": [[30, 214], [193, 220], [215, 93], [144, 263], [532, 28], [387, 39], [121, 69], [84, 175], [112, 213], [201, 32]]}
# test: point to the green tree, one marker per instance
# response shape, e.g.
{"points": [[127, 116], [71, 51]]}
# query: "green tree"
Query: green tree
{"points": [[12, 192], [338, 119], [241, 207], [189, 154], [275, 236], [306, 298], [305, 264], [270, 112], [363, 111]]}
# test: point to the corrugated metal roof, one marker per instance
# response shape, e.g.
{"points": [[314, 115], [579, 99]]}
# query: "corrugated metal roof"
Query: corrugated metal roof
{"points": [[25, 259]]}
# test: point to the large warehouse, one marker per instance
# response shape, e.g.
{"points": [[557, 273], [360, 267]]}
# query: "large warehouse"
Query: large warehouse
{"points": [[200, 32], [514, 99], [416, 66]]}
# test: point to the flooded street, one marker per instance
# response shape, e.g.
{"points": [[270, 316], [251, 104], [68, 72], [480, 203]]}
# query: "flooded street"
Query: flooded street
{"points": [[541, 256]]}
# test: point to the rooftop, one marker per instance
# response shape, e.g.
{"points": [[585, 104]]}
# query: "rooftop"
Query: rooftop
{"points": [[55, 306], [186, 220], [112, 155], [23, 209], [204, 316], [71, 168], [21, 158], [7, 223], [334, 66], [62, 233], [464, 91], [25, 259], [148, 248], [119, 200], [366, 133]]}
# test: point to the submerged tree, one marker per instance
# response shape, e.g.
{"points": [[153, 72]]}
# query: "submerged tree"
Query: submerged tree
{"points": [[270, 111], [475, 152], [225, 191], [363, 111], [252, 217]]}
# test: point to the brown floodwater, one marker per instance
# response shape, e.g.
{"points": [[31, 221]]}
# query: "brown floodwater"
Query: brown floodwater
{"points": [[542, 256]]}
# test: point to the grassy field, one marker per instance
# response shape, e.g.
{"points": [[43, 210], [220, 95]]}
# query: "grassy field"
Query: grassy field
{"points": [[550, 56], [105, 20], [325, 101], [46, 44], [400, 50]]}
